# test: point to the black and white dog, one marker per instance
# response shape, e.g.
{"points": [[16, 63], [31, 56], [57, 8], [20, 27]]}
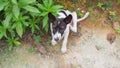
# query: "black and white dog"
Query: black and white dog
{"points": [[60, 26]]}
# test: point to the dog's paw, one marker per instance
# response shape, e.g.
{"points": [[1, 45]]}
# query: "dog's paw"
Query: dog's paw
{"points": [[63, 50], [53, 42]]}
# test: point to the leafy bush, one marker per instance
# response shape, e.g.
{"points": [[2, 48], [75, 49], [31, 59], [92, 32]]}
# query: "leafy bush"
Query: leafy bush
{"points": [[45, 8], [17, 15]]}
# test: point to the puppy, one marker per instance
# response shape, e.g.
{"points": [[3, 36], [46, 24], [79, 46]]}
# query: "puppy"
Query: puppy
{"points": [[60, 26]]}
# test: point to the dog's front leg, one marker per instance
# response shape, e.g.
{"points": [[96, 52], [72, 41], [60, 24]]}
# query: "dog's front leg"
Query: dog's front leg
{"points": [[53, 42], [64, 44]]}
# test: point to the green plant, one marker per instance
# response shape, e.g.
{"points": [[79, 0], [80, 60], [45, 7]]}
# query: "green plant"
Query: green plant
{"points": [[2, 31], [34, 24], [112, 13], [104, 6], [118, 30], [118, 1], [13, 42], [17, 15], [45, 8], [113, 16]]}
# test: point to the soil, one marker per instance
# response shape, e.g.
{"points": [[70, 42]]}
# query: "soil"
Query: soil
{"points": [[91, 48]]}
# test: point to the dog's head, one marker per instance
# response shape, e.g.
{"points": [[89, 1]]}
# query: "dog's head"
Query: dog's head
{"points": [[58, 25]]}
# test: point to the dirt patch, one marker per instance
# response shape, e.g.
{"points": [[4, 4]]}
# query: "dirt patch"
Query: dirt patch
{"points": [[91, 50]]}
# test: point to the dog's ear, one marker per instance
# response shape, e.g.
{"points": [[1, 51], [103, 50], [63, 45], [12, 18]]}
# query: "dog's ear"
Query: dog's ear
{"points": [[68, 19], [51, 17]]}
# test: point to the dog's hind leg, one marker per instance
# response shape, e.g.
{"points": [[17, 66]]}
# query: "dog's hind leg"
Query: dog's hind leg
{"points": [[73, 26], [75, 20]]}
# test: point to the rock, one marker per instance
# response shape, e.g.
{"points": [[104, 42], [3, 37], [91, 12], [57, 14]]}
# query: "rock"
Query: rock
{"points": [[111, 37]]}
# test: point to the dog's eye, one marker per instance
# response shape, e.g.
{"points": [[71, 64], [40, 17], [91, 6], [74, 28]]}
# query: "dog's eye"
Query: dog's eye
{"points": [[54, 31]]}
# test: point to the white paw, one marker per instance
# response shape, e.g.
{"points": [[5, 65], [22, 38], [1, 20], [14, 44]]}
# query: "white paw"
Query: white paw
{"points": [[63, 50], [53, 42]]}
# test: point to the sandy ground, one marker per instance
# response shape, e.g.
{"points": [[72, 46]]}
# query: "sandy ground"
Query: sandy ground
{"points": [[89, 50]]}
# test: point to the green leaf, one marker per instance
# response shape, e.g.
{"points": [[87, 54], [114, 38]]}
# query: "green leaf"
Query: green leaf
{"points": [[80, 14], [118, 30], [7, 20], [112, 13], [14, 25], [2, 4], [25, 2], [100, 4], [32, 29], [26, 23], [41, 7], [56, 8], [19, 29], [2, 32], [107, 5], [1, 35], [31, 9], [17, 43], [46, 28], [31, 1], [36, 26], [10, 47], [43, 13], [45, 21], [50, 3], [12, 32], [14, 1], [34, 14], [16, 10], [45, 2]]}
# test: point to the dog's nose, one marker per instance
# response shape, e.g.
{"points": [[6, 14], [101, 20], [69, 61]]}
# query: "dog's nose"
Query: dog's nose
{"points": [[56, 39]]}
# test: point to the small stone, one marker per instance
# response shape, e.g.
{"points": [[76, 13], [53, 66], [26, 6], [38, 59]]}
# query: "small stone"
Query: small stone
{"points": [[111, 37]]}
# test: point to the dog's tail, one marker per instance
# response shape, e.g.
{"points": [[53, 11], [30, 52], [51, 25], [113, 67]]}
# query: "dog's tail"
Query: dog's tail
{"points": [[84, 17]]}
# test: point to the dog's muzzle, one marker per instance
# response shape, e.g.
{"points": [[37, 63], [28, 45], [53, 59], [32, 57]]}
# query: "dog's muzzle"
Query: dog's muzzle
{"points": [[56, 39]]}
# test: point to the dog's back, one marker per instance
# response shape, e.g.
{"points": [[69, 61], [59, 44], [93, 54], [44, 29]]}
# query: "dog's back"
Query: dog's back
{"points": [[63, 13]]}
